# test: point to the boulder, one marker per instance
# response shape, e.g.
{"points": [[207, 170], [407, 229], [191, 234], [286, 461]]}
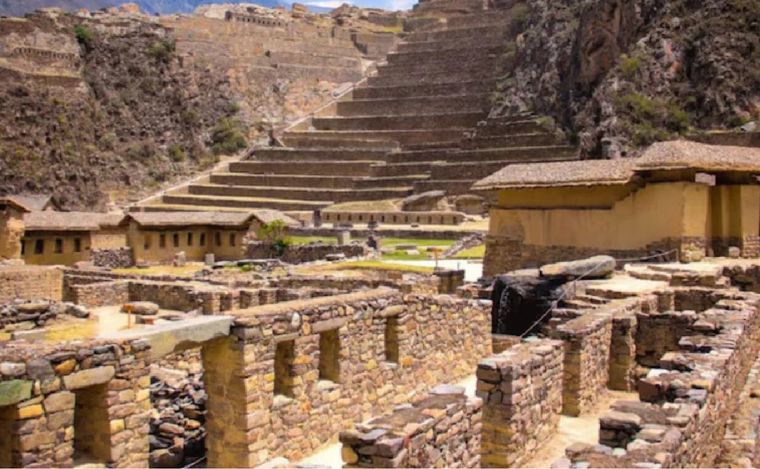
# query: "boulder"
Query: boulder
{"points": [[425, 202], [166, 458], [142, 308], [471, 204], [593, 267]]}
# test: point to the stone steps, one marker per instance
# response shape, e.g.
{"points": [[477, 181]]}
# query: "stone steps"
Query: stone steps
{"points": [[334, 182], [449, 56], [467, 171], [411, 106], [300, 58], [424, 90], [419, 121], [320, 194], [317, 154], [243, 202], [404, 137], [332, 140], [421, 78], [453, 187], [314, 168], [453, 34], [476, 67], [516, 140], [515, 154], [495, 39], [400, 169]]}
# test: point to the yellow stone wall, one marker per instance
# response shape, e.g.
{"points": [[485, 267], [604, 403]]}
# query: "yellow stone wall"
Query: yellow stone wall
{"points": [[580, 221], [224, 250], [11, 232], [49, 255]]}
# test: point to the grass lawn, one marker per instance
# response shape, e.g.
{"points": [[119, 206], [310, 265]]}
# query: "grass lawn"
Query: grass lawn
{"points": [[188, 270], [379, 265], [421, 244], [477, 252]]}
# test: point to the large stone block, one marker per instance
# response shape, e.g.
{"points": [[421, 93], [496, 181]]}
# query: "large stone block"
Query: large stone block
{"points": [[14, 391], [91, 377]]}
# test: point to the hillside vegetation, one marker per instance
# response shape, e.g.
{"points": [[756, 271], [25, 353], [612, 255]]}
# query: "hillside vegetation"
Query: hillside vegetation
{"points": [[137, 120]]}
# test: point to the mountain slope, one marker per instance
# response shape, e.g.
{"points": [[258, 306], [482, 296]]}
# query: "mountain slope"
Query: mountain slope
{"points": [[618, 75], [22, 7], [128, 118]]}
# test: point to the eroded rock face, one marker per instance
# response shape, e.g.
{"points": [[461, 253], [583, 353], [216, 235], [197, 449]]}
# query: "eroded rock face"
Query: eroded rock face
{"points": [[631, 73]]}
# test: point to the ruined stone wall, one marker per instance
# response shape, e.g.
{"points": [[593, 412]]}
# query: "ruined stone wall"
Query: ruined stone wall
{"points": [[393, 218], [297, 373], [587, 340], [297, 254], [441, 430], [78, 400], [113, 258], [31, 283], [98, 294], [686, 401], [522, 393]]}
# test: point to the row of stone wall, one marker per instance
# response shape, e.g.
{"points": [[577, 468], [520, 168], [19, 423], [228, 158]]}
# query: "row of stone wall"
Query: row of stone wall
{"points": [[441, 430], [587, 341], [522, 393], [394, 218], [112, 258], [31, 283], [295, 374], [693, 389]]}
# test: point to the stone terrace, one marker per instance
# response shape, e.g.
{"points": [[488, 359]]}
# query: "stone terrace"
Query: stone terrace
{"points": [[401, 132]]}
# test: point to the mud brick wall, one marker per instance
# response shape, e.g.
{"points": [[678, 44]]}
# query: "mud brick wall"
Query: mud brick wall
{"points": [[587, 341], [31, 283], [441, 430], [74, 400], [522, 393], [294, 374]]}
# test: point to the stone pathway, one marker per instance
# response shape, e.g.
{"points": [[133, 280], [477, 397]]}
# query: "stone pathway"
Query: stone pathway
{"points": [[583, 429]]}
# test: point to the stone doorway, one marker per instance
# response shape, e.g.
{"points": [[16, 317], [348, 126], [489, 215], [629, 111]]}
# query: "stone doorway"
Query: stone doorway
{"points": [[92, 431]]}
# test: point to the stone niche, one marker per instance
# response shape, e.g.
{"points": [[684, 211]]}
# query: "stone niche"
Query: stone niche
{"points": [[294, 374]]}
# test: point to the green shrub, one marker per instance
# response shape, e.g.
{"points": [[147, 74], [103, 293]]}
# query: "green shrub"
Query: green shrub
{"points": [[641, 107], [520, 14], [228, 137], [677, 119], [84, 35], [177, 154], [629, 65], [275, 233], [162, 50]]}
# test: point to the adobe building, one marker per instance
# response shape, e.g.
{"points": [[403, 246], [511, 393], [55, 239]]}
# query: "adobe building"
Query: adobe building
{"points": [[64, 238], [11, 228], [159, 236], [693, 198]]}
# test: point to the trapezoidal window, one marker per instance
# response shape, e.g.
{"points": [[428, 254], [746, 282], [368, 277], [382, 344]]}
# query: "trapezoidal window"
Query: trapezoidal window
{"points": [[7, 417], [202, 240], [284, 354], [329, 355], [233, 239], [77, 244], [162, 240], [175, 240], [218, 238], [58, 245], [39, 246], [391, 340], [92, 432], [190, 239]]}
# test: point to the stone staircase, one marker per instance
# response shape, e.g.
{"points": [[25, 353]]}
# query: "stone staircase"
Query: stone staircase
{"points": [[403, 132]]}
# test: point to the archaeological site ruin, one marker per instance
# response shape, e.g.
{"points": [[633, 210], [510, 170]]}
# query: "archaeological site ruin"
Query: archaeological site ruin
{"points": [[450, 233]]}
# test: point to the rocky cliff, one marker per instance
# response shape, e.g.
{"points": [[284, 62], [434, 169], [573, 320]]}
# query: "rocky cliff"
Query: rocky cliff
{"points": [[97, 108], [617, 75]]}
